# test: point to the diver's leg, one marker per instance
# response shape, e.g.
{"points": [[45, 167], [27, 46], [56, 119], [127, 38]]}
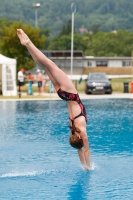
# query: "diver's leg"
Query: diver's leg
{"points": [[57, 76]]}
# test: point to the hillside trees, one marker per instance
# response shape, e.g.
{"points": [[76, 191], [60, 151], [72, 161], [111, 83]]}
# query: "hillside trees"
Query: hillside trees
{"points": [[109, 14]]}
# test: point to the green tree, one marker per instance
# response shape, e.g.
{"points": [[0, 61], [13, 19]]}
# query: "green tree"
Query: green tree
{"points": [[95, 28], [64, 43], [109, 44], [61, 43], [11, 47], [45, 31], [5, 22], [66, 29]]}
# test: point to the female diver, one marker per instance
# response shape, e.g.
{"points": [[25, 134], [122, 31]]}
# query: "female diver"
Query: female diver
{"points": [[66, 91]]}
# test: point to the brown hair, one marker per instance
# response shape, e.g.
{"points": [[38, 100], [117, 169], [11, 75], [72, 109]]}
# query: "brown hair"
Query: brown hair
{"points": [[74, 140]]}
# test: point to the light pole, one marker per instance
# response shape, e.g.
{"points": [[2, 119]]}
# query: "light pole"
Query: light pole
{"points": [[73, 9], [36, 6]]}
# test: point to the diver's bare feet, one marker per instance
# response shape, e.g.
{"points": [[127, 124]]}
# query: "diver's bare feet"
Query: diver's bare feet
{"points": [[23, 37], [86, 168]]}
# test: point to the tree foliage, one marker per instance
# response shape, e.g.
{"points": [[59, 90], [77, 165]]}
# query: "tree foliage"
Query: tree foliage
{"points": [[99, 44], [66, 29], [11, 47], [64, 43], [109, 44]]}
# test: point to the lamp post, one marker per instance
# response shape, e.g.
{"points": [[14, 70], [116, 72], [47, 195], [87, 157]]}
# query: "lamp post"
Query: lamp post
{"points": [[36, 6], [73, 9]]}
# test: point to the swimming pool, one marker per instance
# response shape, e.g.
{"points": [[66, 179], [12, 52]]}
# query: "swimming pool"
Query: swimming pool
{"points": [[36, 161]]}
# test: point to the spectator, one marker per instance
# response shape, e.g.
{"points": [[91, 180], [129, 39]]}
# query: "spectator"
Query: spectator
{"points": [[30, 78], [39, 79], [21, 80]]}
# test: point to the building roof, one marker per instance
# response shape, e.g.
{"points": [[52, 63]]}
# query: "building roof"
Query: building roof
{"points": [[63, 53]]}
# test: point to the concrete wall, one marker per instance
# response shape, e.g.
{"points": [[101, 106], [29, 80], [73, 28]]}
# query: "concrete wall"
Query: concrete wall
{"points": [[76, 70], [110, 70]]}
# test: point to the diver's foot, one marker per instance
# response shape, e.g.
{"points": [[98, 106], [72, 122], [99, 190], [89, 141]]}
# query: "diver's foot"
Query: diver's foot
{"points": [[23, 37]]}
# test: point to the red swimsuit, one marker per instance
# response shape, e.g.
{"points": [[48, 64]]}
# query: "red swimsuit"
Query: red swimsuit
{"points": [[72, 97]]}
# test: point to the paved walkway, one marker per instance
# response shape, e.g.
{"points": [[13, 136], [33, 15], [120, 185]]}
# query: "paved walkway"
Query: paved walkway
{"points": [[54, 96], [85, 96], [107, 96]]}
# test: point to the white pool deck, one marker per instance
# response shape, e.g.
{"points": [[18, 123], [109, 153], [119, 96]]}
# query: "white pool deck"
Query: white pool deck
{"points": [[54, 96]]}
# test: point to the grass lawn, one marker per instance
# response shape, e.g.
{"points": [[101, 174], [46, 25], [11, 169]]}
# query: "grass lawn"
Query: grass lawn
{"points": [[117, 85]]}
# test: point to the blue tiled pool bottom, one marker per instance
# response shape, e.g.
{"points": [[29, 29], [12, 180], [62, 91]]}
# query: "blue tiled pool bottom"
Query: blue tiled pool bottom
{"points": [[36, 161]]}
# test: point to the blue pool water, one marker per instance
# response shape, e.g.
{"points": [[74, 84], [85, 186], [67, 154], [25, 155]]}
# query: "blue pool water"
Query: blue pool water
{"points": [[36, 161]]}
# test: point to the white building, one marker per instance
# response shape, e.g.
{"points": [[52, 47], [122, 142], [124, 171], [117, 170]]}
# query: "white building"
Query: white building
{"points": [[63, 61], [90, 61]]}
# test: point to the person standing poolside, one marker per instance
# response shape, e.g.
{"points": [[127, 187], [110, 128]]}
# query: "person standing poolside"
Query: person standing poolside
{"points": [[21, 80], [39, 79], [66, 91], [45, 79], [30, 79]]}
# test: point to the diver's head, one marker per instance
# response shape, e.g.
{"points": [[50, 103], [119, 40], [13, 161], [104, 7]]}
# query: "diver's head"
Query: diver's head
{"points": [[75, 139]]}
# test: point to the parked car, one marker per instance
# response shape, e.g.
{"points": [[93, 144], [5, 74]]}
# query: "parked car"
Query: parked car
{"points": [[98, 83]]}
